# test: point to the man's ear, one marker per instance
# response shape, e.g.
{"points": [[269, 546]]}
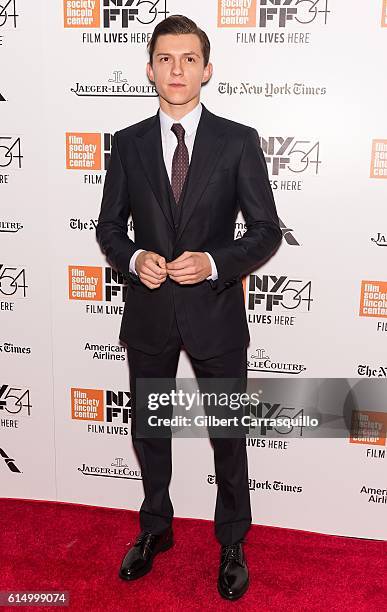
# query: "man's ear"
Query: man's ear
{"points": [[207, 74], [149, 71]]}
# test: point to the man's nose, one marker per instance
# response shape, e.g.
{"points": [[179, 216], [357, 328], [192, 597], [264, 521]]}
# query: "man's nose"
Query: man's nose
{"points": [[177, 68]]}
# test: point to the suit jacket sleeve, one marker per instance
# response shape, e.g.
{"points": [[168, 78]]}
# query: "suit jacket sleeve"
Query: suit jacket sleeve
{"points": [[112, 227], [263, 234]]}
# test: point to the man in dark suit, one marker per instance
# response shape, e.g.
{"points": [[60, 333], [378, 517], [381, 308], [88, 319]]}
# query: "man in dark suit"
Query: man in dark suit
{"points": [[183, 174]]}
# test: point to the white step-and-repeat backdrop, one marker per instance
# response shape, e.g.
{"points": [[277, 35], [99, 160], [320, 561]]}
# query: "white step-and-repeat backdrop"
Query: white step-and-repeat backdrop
{"points": [[310, 77]]}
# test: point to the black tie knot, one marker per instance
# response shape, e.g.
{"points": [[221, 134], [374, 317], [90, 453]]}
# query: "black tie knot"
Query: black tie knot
{"points": [[179, 131]]}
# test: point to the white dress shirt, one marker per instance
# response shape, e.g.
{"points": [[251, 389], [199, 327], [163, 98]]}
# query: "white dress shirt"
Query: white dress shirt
{"points": [[190, 123]]}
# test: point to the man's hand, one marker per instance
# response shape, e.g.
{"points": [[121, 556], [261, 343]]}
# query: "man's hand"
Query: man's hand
{"points": [[190, 267], [151, 269]]}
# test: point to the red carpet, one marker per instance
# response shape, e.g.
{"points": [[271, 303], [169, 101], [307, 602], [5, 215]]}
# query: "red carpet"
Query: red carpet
{"points": [[48, 546]]}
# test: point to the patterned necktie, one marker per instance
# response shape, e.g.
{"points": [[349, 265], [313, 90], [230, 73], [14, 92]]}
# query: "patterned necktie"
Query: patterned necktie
{"points": [[180, 161]]}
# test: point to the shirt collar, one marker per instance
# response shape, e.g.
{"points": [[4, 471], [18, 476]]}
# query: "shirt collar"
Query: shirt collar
{"points": [[189, 122]]}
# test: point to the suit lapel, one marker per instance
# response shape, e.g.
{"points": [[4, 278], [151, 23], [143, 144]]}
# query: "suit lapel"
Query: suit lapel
{"points": [[151, 154], [208, 145]]}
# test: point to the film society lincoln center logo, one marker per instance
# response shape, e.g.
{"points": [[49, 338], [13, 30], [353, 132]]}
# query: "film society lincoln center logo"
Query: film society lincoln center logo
{"points": [[83, 151], [109, 13], [379, 158], [368, 428], [85, 283], [87, 404], [104, 411], [373, 299]]}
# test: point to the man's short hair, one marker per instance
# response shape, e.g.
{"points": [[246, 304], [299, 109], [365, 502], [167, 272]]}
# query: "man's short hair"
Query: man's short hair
{"points": [[179, 24]]}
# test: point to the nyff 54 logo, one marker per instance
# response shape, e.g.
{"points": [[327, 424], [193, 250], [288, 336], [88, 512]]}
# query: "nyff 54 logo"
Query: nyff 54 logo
{"points": [[269, 411], [285, 153], [110, 13], [10, 152], [8, 14], [272, 293], [12, 281], [263, 13], [15, 400]]}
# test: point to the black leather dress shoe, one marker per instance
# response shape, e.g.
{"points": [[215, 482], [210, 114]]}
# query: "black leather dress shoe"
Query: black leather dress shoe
{"points": [[233, 578], [139, 559]]}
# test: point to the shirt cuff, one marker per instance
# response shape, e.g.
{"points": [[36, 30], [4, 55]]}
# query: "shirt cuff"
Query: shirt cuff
{"points": [[214, 272], [133, 261]]}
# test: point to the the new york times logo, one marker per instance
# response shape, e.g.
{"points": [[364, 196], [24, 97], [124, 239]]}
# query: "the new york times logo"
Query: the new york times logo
{"points": [[80, 224], [13, 349], [277, 292], [15, 400], [281, 13], [12, 281], [9, 462], [83, 224], [8, 14], [264, 485], [371, 372], [285, 153], [10, 152]]}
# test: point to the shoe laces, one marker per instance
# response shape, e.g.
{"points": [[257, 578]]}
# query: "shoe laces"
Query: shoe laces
{"points": [[232, 552], [144, 538]]}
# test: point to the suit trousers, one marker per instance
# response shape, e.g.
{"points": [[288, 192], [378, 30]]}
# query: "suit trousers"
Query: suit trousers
{"points": [[232, 509]]}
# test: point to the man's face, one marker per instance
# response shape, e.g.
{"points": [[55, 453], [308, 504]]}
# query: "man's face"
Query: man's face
{"points": [[178, 67]]}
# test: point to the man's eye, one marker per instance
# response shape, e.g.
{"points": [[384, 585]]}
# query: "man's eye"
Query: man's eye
{"points": [[190, 59], [164, 58]]}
